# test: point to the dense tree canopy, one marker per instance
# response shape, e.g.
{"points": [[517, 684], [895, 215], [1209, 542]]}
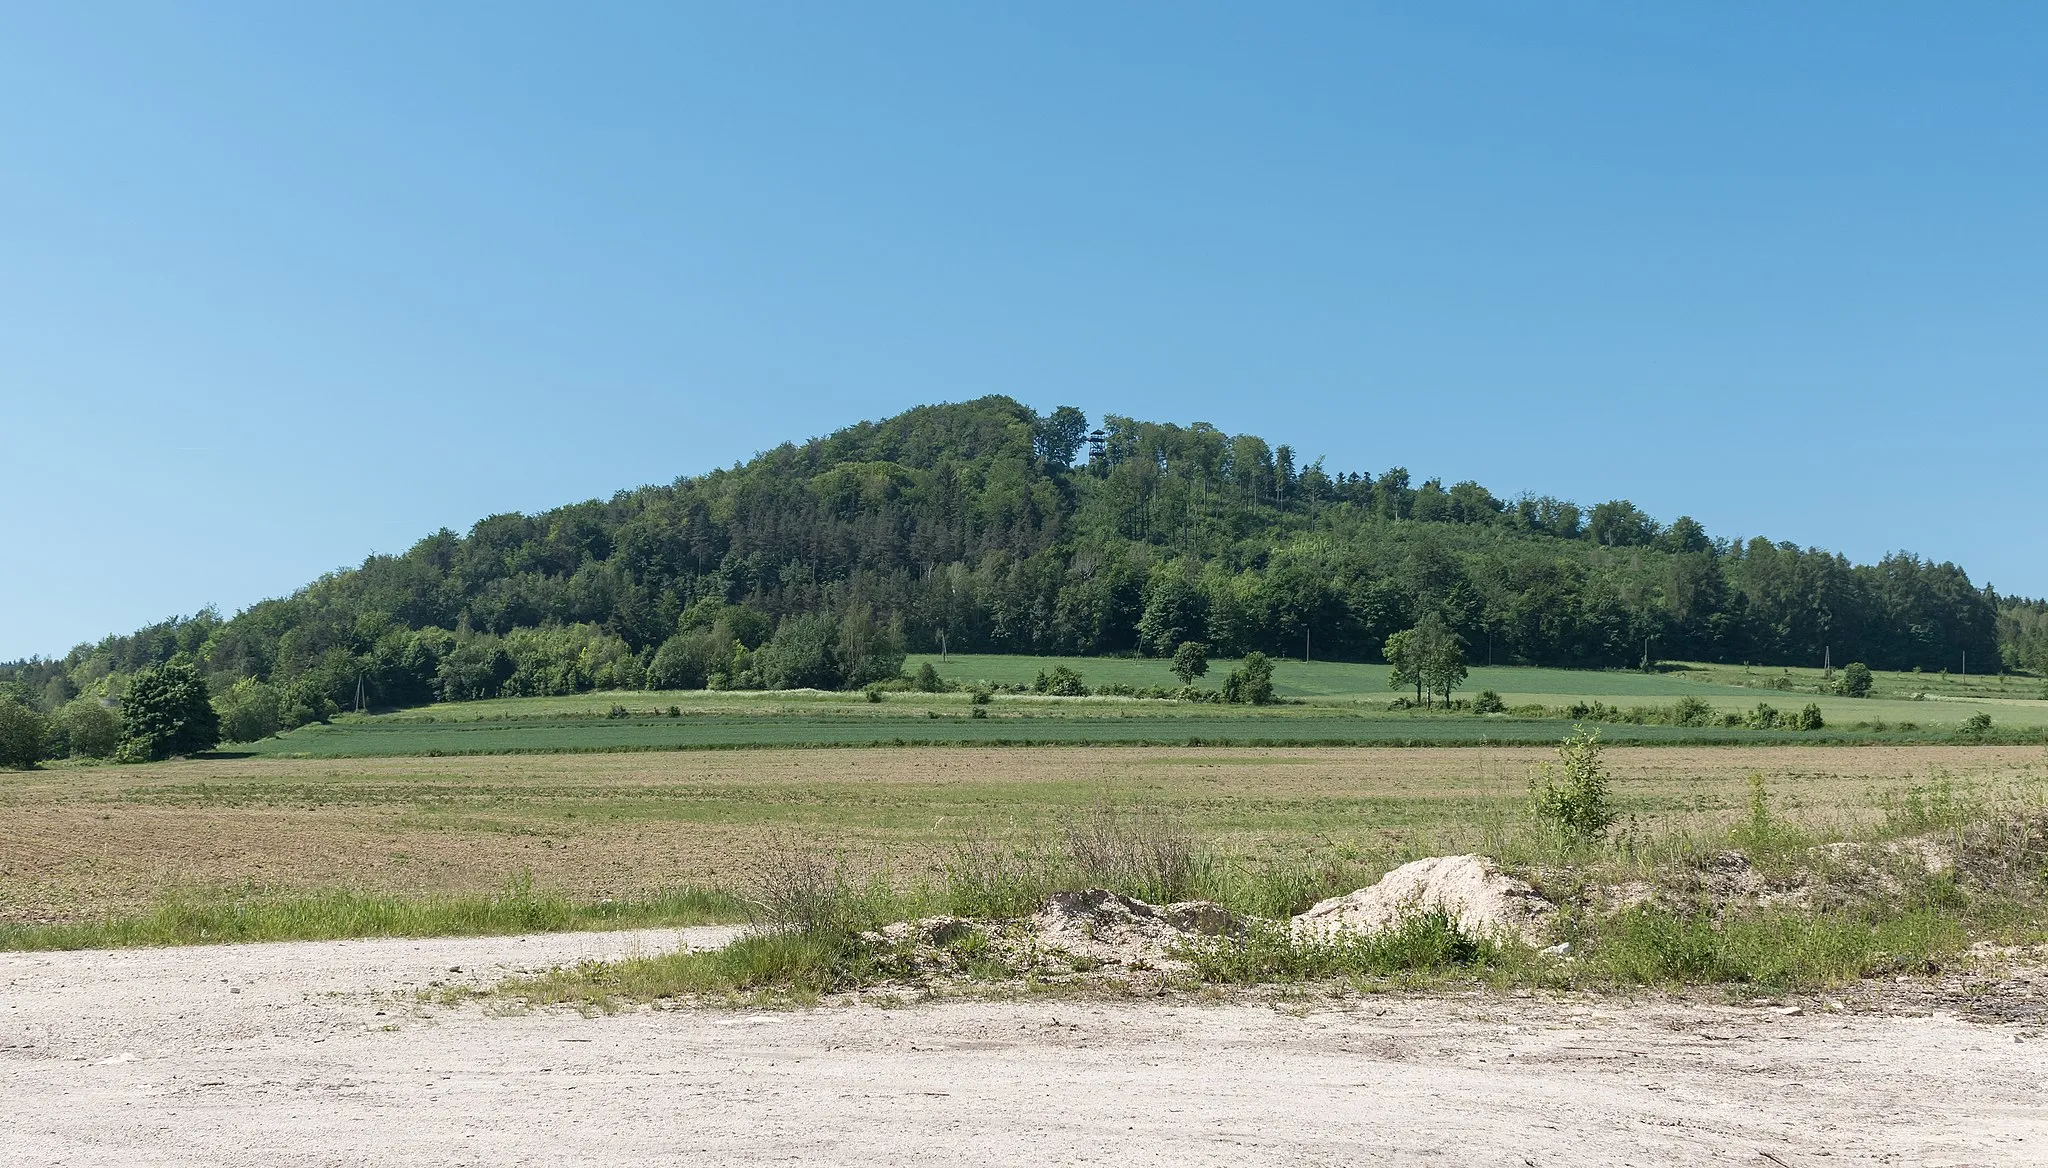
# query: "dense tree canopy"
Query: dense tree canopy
{"points": [[981, 526], [167, 712]]}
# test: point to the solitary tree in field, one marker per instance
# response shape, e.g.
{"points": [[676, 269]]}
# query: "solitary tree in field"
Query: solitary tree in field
{"points": [[1856, 680], [1429, 657], [167, 712], [1190, 661]]}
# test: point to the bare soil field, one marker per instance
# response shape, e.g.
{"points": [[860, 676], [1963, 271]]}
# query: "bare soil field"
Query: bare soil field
{"points": [[109, 839], [323, 1053], [80, 841]]}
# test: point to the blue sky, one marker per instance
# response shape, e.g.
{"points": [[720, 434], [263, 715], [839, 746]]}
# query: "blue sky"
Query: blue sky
{"points": [[284, 285]]}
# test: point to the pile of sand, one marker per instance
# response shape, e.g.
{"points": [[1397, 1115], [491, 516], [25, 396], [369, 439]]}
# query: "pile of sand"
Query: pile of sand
{"points": [[1105, 929], [1485, 901]]}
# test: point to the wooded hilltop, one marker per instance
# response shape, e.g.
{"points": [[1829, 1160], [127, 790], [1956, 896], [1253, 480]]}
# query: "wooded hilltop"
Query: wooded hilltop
{"points": [[982, 526]]}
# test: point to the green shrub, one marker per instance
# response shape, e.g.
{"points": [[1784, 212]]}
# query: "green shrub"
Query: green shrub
{"points": [[250, 711], [1489, 702], [91, 730], [1691, 711], [1977, 723], [1060, 681], [928, 680], [1250, 683], [1764, 717], [1572, 796], [1855, 682], [1809, 718], [1759, 832]]}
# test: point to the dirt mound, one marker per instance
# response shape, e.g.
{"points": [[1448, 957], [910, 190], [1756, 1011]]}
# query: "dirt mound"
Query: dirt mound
{"points": [[933, 931], [1832, 876], [1918, 854], [1101, 928], [1473, 889], [927, 950]]}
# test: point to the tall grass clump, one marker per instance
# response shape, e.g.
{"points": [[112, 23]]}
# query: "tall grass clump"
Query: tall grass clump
{"points": [[1428, 941], [1281, 888], [796, 888], [807, 915], [768, 967], [993, 881], [1776, 949], [1144, 854], [1761, 833]]}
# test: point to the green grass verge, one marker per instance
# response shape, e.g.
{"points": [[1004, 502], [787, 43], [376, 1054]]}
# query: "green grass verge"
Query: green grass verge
{"points": [[770, 967], [195, 918], [1762, 950], [1769, 949]]}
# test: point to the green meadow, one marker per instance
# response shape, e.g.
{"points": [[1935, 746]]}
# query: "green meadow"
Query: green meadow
{"points": [[1322, 703]]}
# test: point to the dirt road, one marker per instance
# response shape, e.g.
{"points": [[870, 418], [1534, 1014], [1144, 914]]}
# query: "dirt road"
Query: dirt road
{"points": [[316, 1054]]}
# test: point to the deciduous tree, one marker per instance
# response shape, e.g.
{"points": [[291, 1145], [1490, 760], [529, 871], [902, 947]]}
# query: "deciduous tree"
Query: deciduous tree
{"points": [[24, 733], [166, 712], [1190, 661]]}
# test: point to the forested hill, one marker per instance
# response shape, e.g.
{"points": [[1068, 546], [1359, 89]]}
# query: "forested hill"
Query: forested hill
{"points": [[982, 526]]}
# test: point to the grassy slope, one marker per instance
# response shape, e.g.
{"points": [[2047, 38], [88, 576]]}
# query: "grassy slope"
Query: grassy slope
{"points": [[2010, 701]]}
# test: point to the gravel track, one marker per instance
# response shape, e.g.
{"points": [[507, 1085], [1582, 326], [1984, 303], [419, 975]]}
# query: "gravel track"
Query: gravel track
{"points": [[317, 1053]]}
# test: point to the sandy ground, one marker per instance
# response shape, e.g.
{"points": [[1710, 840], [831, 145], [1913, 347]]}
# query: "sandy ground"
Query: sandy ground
{"points": [[317, 1054]]}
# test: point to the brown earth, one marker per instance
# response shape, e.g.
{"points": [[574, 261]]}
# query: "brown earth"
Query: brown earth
{"points": [[80, 841]]}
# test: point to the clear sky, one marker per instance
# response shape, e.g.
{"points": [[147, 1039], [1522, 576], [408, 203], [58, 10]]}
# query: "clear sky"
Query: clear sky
{"points": [[282, 285]]}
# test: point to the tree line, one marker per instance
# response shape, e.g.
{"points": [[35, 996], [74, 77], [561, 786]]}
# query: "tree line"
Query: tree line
{"points": [[983, 526]]}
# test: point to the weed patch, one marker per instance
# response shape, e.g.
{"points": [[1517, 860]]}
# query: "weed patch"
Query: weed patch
{"points": [[1423, 942]]}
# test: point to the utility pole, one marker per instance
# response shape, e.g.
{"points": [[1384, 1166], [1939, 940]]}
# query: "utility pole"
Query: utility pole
{"points": [[1304, 646]]}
